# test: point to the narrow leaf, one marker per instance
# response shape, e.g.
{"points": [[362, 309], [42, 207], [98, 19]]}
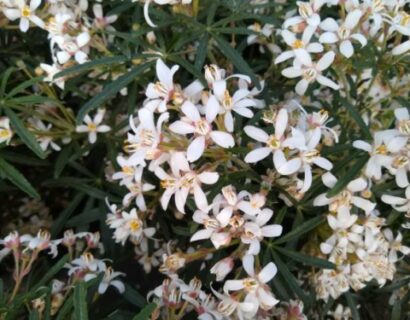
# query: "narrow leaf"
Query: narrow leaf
{"points": [[301, 229], [306, 259], [356, 116], [80, 301], [145, 312]]}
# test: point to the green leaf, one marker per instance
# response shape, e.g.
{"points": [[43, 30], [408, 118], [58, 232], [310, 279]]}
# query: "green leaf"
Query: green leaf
{"points": [[236, 58], [146, 312], [356, 116], [111, 89], [396, 312], [290, 278], [80, 301], [22, 86], [52, 272], [133, 296], [62, 160], [59, 223], [92, 65], [5, 77], [306, 259], [352, 305], [26, 136], [348, 176], [301, 229], [17, 178], [201, 52], [190, 68]]}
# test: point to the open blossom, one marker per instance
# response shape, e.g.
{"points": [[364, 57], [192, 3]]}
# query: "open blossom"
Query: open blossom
{"points": [[311, 72], [160, 93], [76, 47], [5, 131], [254, 286], [25, 12], [94, 126], [201, 128], [160, 2], [110, 279], [344, 33], [345, 197], [182, 183], [398, 203], [308, 13]]}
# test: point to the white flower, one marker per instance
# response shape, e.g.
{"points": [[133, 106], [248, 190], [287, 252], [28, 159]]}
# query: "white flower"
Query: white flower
{"points": [[201, 127], [308, 13], [159, 93], [344, 33], [300, 48], [73, 47], [51, 71], [44, 140], [100, 20], [160, 2], [25, 13], [181, 184], [395, 245], [385, 143], [273, 142], [86, 265], [345, 197], [136, 189], [255, 285], [238, 103], [311, 72], [93, 126], [5, 131], [398, 203], [255, 230], [109, 279], [222, 268]]}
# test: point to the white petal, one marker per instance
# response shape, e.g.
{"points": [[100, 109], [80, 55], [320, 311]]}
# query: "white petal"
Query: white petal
{"points": [[357, 185], [329, 24], [401, 48], [191, 111], [257, 155], [323, 163], [329, 180], [200, 198], [346, 48], [211, 109], [267, 273], [359, 37], [196, 149], [301, 87], [248, 264], [352, 19], [274, 230], [208, 177], [292, 72], [281, 123], [256, 133], [303, 56], [363, 204], [181, 127], [233, 285], [327, 82], [201, 235], [223, 139], [326, 61], [328, 37]]}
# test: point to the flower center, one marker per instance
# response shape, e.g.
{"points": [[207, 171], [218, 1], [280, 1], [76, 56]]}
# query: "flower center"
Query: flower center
{"points": [[310, 74], [4, 133], [310, 155], [202, 127], [92, 127], [168, 183], [305, 10], [404, 126], [227, 101], [161, 89], [134, 225], [250, 284], [382, 149], [25, 12], [344, 33], [273, 142], [298, 44]]}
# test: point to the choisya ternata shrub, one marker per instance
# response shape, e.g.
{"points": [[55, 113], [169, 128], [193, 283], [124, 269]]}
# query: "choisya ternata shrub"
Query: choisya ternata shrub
{"points": [[204, 159]]}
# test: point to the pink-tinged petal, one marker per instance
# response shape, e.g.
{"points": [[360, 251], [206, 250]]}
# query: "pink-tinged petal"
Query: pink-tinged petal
{"points": [[321, 200], [191, 111], [257, 155], [362, 145], [303, 56], [329, 180], [182, 127], [267, 273], [326, 61], [208, 177], [228, 121], [353, 19], [328, 37], [329, 24], [327, 82], [292, 72], [248, 262], [301, 87], [357, 185], [286, 55], [363, 204], [201, 235], [256, 133], [196, 149], [323, 163], [274, 230], [220, 239], [346, 48], [212, 109], [233, 285], [263, 217]]}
